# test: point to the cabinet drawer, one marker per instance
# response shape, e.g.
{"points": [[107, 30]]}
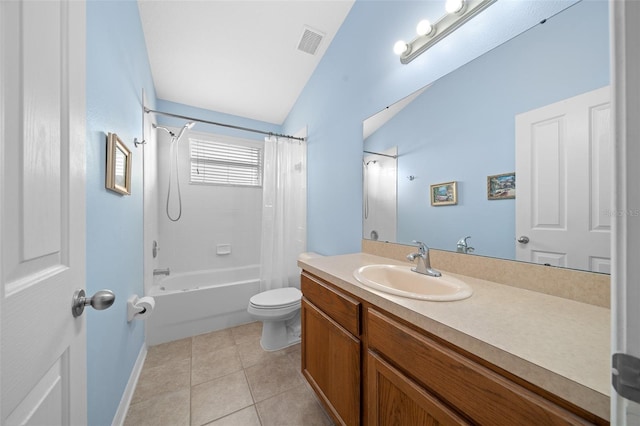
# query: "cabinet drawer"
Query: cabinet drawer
{"points": [[341, 308], [480, 393]]}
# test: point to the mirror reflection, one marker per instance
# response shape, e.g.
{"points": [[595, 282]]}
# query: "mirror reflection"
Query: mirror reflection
{"points": [[536, 106]]}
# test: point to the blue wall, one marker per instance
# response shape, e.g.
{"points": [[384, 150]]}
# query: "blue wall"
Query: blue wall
{"points": [[117, 72], [462, 127], [358, 76]]}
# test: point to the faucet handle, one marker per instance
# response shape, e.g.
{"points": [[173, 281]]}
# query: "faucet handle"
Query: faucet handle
{"points": [[463, 241], [422, 247]]}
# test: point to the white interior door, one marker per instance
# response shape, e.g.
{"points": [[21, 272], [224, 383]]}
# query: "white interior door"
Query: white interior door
{"points": [[625, 36], [42, 215], [564, 159]]}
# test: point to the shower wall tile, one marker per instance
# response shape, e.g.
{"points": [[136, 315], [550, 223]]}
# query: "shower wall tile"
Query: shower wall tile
{"points": [[211, 215]]}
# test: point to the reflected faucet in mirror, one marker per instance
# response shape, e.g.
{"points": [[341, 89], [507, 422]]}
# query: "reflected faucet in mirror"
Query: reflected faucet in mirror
{"points": [[424, 263], [463, 246]]}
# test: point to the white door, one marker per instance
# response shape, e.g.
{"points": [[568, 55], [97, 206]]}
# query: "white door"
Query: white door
{"points": [[625, 277], [42, 214], [564, 176]]}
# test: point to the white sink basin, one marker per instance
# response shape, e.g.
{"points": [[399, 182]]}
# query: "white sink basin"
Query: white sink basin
{"points": [[402, 281]]}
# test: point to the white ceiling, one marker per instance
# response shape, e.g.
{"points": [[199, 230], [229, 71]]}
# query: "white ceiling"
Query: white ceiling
{"points": [[238, 57]]}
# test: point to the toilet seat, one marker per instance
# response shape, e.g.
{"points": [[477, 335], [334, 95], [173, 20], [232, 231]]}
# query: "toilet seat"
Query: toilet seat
{"points": [[276, 298]]}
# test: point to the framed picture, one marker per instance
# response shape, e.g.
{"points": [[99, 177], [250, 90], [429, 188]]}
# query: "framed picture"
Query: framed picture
{"points": [[501, 187], [444, 194], [118, 166]]}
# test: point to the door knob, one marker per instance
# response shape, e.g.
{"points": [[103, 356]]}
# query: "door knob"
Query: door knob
{"points": [[101, 300], [524, 239]]}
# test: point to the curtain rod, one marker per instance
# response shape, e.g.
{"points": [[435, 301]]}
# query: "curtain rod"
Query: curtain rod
{"points": [[378, 153], [231, 126]]}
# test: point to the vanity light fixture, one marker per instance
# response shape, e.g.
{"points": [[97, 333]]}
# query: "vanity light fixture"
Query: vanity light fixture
{"points": [[424, 28], [454, 6], [400, 47], [458, 12]]}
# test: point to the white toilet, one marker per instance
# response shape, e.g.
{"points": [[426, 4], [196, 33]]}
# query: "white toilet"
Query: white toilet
{"points": [[279, 311]]}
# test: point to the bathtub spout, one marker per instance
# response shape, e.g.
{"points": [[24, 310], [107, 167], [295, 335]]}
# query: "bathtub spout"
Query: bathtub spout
{"points": [[165, 271]]}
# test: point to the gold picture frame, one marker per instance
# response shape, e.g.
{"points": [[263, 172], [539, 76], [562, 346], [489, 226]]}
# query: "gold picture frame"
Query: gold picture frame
{"points": [[501, 187], [444, 194], [118, 177]]}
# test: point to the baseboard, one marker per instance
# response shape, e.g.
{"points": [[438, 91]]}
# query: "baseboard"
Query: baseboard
{"points": [[121, 414]]}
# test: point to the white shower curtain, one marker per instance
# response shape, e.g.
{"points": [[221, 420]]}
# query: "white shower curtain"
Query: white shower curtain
{"points": [[284, 212]]}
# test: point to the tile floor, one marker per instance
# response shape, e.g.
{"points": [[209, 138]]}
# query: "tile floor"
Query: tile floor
{"points": [[223, 378]]}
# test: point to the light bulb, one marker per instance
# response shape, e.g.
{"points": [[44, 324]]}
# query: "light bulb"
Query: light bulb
{"points": [[400, 47], [454, 6], [424, 28]]}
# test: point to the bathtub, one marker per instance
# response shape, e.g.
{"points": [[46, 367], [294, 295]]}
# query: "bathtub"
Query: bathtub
{"points": [[198, 302]]}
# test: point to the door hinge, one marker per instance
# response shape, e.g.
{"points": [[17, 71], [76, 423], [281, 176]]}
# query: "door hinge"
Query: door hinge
{"points": [[625, 376]]}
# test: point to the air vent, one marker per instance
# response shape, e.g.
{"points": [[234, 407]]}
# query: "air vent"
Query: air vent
{"points": [[310, 40]]}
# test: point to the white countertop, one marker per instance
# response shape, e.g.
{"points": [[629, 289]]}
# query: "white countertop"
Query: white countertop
{"points": [[558, 344]]}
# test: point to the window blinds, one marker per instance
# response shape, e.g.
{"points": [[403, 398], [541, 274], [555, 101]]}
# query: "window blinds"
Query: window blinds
{"points": [[225, 163]]}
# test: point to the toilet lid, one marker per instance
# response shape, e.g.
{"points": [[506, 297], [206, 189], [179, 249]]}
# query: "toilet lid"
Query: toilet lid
{"points": [[277, 297]]}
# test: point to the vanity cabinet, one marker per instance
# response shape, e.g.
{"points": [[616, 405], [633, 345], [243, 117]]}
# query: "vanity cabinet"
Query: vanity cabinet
{"points": [[409, 376], [331, 348]]}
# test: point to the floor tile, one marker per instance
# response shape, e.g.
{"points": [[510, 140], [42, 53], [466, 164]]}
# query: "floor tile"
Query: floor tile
{"points": [[245, 417], [168, 377], [295, 407], [251, 353], [247, 332], [224, 378], [272, 377], [171, 351], [218, 398], [295, 354], [211, 365], [209, 342], [170, 409]]}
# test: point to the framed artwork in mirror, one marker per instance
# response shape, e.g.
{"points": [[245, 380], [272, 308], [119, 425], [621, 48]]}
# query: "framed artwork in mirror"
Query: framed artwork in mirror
{"points": [[501, 187], [444, 194], [118, 177]]}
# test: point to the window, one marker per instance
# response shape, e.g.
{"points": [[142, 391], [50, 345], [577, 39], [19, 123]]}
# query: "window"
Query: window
{"points": [[224, 163]]}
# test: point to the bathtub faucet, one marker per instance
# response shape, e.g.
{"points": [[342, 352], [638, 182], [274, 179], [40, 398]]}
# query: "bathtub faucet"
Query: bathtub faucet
{"points": [[165, 271]]}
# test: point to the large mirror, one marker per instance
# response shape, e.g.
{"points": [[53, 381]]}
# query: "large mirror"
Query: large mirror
{"points": [[510, 110]]}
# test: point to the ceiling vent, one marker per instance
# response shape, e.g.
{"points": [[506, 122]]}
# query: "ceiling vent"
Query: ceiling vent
{"points": [[310, 40]]}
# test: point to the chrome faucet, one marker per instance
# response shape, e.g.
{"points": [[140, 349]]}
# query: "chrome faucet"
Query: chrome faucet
{"points": [[463, 246], [165, 271], [424, 264]]}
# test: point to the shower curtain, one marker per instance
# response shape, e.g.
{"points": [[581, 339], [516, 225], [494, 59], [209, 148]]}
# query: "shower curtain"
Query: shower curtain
{"points": [[284, 212]]}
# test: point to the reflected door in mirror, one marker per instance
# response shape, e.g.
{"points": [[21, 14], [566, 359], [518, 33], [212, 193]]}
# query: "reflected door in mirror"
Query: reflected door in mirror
{"points": [[564, 168]]}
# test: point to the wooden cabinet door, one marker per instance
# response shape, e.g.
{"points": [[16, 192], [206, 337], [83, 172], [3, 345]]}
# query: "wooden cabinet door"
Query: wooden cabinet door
{"points": [[393, 399], [331, 364], [483, 395]]}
